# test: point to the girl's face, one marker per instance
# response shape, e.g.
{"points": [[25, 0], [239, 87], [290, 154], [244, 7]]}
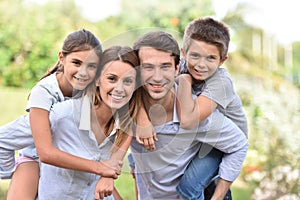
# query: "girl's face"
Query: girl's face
{"points": [[117, 83], [79, 69]]}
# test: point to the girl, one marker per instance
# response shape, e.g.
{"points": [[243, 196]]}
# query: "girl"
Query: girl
{"points": [[110, 127], [75, 69]]}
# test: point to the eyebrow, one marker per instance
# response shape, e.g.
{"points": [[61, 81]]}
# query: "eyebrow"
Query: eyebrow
{"points": [[165, 63], [79, 60], [111, 74]]}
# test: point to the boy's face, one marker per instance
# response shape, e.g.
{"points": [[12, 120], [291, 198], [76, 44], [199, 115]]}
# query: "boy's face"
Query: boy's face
{"points": [[158, 72], [202, 59]]}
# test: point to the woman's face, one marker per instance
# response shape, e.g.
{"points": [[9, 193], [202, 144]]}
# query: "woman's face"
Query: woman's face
{"points": [[117, 83], [79, 69]]}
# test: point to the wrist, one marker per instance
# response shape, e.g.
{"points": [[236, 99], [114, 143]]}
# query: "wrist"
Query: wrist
{"points": [[98, 168]]}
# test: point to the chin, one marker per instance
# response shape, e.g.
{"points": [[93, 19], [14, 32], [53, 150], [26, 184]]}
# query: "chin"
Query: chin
{"points": [[117, 106]]}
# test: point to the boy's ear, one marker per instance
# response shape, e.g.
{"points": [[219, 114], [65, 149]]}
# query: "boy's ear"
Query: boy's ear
{"points": [[223, 60], [182, 53]]}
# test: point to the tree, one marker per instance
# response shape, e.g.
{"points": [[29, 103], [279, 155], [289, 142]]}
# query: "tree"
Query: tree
{"points": [[31, 36]]}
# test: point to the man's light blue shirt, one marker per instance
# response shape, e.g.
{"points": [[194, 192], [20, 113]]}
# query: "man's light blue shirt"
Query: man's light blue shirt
{"points": [[159, 171]]}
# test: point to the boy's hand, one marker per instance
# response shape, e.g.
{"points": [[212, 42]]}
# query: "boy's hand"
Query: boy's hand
{"points": [[146, 137], [103, 188]]}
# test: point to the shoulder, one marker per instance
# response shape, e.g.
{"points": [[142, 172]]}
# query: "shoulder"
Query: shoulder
{"points": [[69, 107], [220, 78], [48, 84], [49, 80]]}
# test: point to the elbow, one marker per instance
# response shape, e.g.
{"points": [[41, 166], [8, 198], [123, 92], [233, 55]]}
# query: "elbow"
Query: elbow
{"points": [[45, 155], [188, 124]]}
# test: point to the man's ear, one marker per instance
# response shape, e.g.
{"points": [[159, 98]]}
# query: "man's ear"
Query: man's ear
{"points": [[176, 70], [183, 53]]}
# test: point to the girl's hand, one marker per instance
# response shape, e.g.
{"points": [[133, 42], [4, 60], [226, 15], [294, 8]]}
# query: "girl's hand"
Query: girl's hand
{"points": [[146, 137], [111, 168], [104, 188]]}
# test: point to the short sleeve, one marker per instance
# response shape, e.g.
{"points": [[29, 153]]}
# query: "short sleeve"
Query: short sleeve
{"points": [[45, 94], [219, 88]]}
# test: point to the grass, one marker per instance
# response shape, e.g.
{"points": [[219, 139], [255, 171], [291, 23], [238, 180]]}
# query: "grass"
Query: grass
{"points": [[13, 103]]}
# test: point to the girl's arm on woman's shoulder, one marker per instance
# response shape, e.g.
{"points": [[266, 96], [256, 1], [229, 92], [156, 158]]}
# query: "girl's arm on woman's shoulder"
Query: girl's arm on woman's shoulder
{"points": [[40, 126]]}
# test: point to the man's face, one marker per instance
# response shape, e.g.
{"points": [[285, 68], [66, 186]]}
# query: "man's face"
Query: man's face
{"points": [[158, 72]]}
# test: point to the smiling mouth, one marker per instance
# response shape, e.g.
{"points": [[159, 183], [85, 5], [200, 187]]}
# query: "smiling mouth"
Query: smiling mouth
{"points": [[199, 71], [81, 80], [155, 86], [117, 97]]}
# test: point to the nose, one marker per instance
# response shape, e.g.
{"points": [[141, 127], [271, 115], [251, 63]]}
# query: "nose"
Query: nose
{"points": [[82, 71], [201, 62], [157, 74], [119, 87]]}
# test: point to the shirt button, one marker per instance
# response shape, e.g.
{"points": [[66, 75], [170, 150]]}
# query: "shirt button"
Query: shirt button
{"points": [[88, 184]]}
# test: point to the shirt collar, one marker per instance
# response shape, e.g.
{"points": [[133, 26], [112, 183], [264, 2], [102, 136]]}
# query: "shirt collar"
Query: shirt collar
{"points": [[85, 117], [175, 114]]}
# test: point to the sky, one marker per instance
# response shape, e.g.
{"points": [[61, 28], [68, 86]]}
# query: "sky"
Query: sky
{"points": [[277, 18]]}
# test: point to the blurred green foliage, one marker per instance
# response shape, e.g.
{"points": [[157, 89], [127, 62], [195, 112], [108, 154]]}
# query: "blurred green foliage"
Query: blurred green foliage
{"points": [[32, 34]]}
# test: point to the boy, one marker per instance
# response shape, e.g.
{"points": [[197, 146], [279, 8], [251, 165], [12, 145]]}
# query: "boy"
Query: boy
{"points": [[205, 47]]}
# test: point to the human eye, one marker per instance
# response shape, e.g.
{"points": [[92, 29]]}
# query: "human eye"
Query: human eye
{"points": [[147, 67], [211, 58], [128, 81], [111, 78], [166, 66], [194, 56], [92, 66], [76, 63]]}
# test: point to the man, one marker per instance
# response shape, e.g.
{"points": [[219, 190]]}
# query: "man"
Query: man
{"points": [[159, 171]]}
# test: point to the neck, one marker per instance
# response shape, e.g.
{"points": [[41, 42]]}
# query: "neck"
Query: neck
{"points": [[101, 116], [104, 114], [64, 87], [160, 111]]}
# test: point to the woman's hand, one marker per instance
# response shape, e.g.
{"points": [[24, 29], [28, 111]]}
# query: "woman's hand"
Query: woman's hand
{"points": [[104, 188]]}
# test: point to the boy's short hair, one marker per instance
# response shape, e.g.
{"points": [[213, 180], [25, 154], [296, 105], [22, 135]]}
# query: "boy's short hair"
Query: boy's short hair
{"points": [[159, 40], [207, 30]]}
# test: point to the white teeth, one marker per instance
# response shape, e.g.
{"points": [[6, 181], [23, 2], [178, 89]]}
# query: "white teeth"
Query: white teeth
{"points": [[117, 97], [80, 80], [156, 86]]}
